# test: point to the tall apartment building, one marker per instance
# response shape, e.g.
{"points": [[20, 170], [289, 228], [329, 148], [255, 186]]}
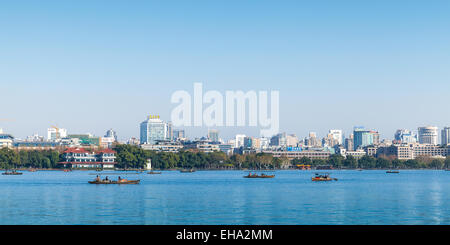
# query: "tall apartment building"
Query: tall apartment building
{"points": [[445, 136], [213, 135], [428, 135]]}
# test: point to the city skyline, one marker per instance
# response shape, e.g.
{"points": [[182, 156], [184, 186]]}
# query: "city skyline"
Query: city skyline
{"points": [[383, 65]]}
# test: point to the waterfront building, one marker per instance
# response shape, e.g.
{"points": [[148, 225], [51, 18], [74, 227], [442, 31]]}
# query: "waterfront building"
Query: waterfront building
{"points": [[154, 129], [445, 136], [213, 135], [56, 134], [36, 145], [227, 148], [163, 146], [428, 135], [79, 158], [312, 154], [86, 139], [330, 141], [356, 153]]}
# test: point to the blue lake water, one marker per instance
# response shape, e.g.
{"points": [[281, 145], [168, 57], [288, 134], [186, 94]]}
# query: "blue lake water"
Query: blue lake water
{"points": [[225, 197]]}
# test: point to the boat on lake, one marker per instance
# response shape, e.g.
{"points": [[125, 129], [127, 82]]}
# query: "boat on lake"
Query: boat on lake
{"points": [[322, 177], [111, 182], [187, 171], [119, 181], [32, 170], [392, 172], [13, 172], [153, 172], [259, 176]]}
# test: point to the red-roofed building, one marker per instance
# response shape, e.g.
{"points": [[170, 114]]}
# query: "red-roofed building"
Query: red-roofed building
{"points": [[79, 158]]}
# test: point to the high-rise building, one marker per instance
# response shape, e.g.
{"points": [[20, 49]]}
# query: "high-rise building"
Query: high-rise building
{"points": [[153, 130], [445, 136], [337, 135], [291, 140], [213, 135], [428, 135], [405, 136], [239, 141], [279, 140], [349, 143], [362, 137]]}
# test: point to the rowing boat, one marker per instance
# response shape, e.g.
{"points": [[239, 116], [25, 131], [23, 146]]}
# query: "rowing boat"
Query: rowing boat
{"points": [[109, 182]]}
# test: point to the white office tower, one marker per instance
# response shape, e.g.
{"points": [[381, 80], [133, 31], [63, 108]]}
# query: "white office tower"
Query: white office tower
{"points": [[153, 130], [239, 141], [337, 135], [445, 136], [56, 134], [428, 135]]}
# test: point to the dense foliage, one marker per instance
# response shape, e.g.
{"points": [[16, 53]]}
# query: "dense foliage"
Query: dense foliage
{"points": [[28, 159], [134, 157]]}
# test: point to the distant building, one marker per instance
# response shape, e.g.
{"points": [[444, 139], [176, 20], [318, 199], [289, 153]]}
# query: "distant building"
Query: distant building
{"points": [[428, 135], [445, 136], [239, 140], [86, 139], [279, 140], [154, 129], [163, 146], [179, 135], [111, 134], [227, 148], [405, 136], [213, 135], [36, 145], [363, 137], [79, 158], [6, 140], [349, 143], [56, 134], [337, 135]]}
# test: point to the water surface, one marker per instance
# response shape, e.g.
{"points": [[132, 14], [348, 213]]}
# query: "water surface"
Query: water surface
{"points": [[225, 197]]}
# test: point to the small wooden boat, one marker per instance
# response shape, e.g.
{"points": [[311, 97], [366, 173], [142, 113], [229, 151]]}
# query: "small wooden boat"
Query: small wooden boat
{"points": [[187, 171], [260, 176], [32, 170], [153, 172], [67, 170], [12, 173], [111, 182], [392, 172], [323, 177]]}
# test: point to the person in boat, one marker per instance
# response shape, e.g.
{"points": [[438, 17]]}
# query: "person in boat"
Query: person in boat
{"points": [[97, 179]]}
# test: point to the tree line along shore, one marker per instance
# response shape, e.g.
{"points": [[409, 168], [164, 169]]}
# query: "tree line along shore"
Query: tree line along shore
{"points": [[133, 157]]}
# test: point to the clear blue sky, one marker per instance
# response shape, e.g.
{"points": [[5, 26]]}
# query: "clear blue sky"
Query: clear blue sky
{"points": [[93, 65]]}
